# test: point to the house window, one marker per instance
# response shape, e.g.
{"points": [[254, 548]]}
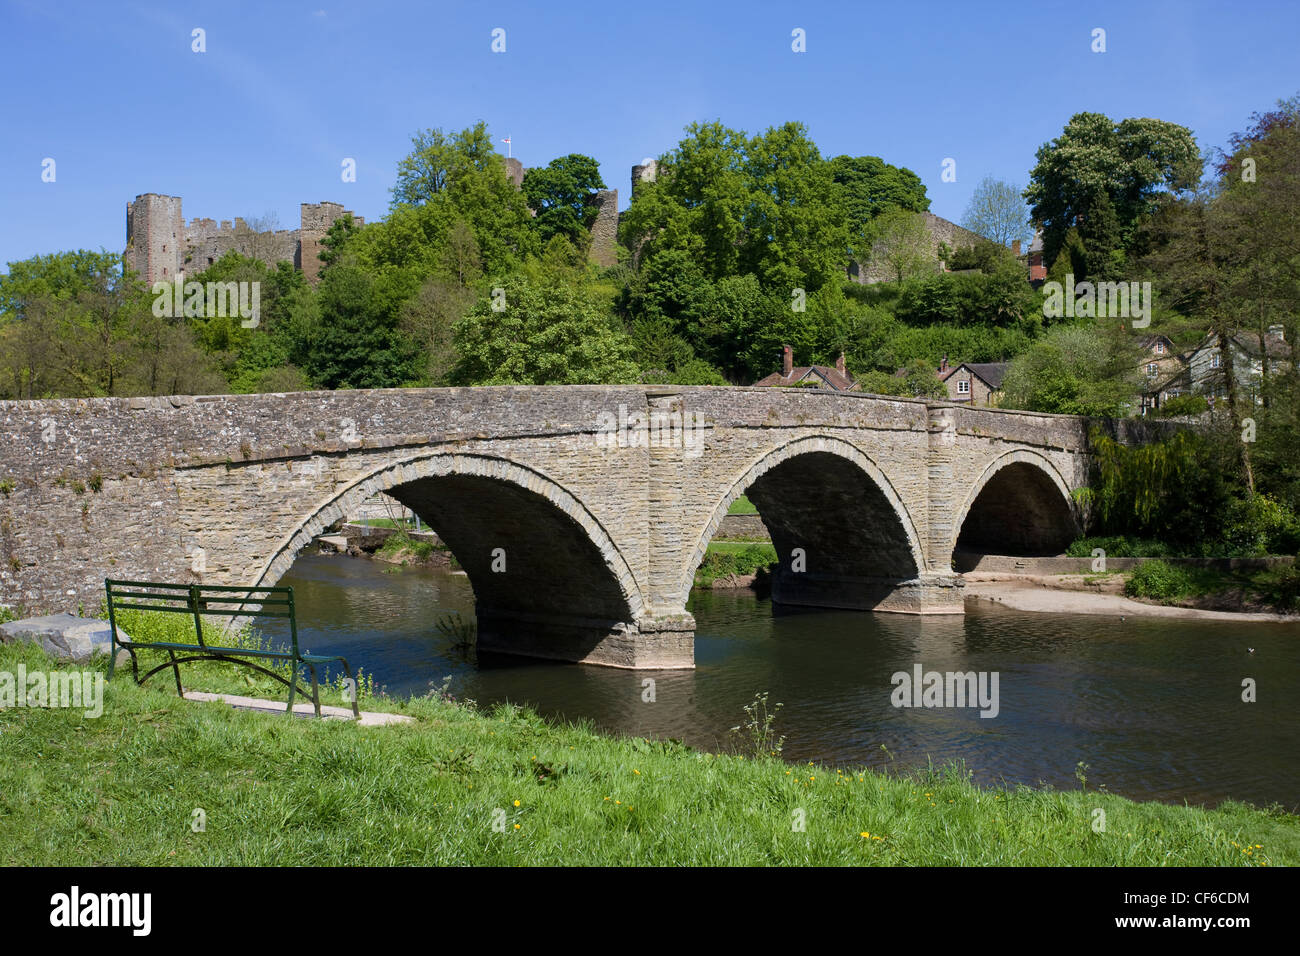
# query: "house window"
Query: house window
{"points": [[1160, 348], [1216, 360], [1151, 368], [963, 387]]}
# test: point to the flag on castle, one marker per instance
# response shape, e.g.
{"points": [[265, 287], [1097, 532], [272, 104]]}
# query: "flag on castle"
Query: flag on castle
{"points": [[508, 147]]}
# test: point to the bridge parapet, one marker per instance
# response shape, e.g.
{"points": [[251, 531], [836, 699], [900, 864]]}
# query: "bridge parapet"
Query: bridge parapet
{"points": [[601, 498]]}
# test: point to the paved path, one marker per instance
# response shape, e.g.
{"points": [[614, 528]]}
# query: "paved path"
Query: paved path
{"points": [[368, 718]]}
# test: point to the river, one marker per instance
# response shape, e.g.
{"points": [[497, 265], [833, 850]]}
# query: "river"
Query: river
{"points": [[1153, 707]]}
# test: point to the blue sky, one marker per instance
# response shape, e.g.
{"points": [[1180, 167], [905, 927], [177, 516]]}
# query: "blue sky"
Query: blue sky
{"points": [[263, 119]]}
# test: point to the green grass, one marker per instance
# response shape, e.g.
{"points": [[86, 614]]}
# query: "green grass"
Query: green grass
{"points": [[405, 523], [742, 506], [402, 546], [122, 789], [725, 558], [1277, 588]]}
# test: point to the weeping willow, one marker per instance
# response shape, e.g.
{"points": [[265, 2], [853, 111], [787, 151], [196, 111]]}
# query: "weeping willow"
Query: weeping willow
{"points": [[1136, 485]]}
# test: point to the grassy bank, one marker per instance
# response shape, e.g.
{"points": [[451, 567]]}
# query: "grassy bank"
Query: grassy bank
{"points": [[123, 788], [1275, 589], [725, 559]]}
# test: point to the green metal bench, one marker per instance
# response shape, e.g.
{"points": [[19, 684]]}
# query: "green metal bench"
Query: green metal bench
{"points": [[198, 601]]}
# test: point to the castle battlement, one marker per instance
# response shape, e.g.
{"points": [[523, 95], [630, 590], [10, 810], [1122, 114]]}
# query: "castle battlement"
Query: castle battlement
{"points": [[159, 243]]}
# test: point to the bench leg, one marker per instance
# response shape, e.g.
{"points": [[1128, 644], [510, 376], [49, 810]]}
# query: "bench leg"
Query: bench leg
{"points": [[315, 690], [176, 671], [356, 691], [293, 686]]}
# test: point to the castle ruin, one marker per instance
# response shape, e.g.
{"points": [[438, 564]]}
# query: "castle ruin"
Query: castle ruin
{"points": [[159, 244]]}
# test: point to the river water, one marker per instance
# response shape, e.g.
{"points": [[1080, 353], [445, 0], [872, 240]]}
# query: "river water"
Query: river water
{"points": [[1153, 706]]}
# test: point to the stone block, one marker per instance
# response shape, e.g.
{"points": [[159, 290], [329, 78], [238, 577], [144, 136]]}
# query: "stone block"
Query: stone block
{"points": [[63, 636]]}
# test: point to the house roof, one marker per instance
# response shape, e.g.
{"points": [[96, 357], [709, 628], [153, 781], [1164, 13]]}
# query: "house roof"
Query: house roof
{"points": [[1249, 342], [1151, 340], [828, 376], [990, 373]]}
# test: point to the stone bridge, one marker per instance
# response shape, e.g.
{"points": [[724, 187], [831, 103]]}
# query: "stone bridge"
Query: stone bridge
{"points": [[580, 513]]}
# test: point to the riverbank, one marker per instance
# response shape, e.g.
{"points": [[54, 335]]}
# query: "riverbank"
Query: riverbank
{"points": [[505, 787], [1055, 596]]}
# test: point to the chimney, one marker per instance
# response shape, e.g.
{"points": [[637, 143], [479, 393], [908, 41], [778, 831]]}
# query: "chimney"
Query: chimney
{"points": [[943, 366], [787, 361], [839, 365], [1015, 247]]}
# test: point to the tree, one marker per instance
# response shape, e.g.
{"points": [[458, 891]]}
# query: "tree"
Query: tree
{"points": [[546, 334], [463, 177], [902, 243], [736, 205], [559, 192], [997, 211], [358, 343], [1230, 255], [869, 186], [429, 320], [1086, 369], [1131, 162]]}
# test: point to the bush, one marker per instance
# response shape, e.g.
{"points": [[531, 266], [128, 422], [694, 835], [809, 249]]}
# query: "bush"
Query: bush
{"points": [[1281, 587], [1261, 525], [1159, 580], [1182, 405], [1121, 546]]}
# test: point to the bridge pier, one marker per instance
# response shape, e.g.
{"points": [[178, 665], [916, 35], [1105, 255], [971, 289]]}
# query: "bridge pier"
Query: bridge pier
{"points": [[664, 643], [928, 593]]}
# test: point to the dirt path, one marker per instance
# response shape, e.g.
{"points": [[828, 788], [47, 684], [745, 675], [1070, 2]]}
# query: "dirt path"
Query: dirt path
{"points": [[1022, 596]]}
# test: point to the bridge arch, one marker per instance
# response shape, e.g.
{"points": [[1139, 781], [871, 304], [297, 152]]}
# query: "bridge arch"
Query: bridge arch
{"points": [[558, 557], [1019, 505], [826, 496]]}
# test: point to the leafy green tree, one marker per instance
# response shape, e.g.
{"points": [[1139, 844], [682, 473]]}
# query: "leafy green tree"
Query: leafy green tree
{"points": [[463, 177], [1088, 369], [1131, 162], [1102, 240], [868, 186], [766, 206], [358, 343], [559, 191], [1230, 256], [546, 334], [997, 211], [901, 242]]}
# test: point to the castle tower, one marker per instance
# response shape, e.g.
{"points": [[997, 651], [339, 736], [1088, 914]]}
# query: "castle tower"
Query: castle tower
{"points": [[155, 232], [644, 173], [604, 231], [515, 172], [315, 222]]}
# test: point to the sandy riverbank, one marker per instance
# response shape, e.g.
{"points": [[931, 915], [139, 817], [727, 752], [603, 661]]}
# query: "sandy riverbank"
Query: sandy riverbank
{"points": [[1027, 596]]}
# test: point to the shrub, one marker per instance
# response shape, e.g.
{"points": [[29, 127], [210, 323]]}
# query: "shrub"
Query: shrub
{"points": [[1182, 405], [1281, 587], [1261, 525], [1159, 580], [1122, 546]]}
